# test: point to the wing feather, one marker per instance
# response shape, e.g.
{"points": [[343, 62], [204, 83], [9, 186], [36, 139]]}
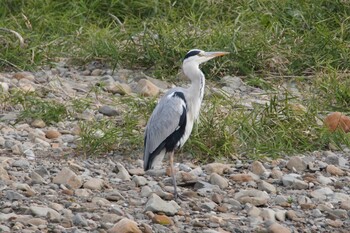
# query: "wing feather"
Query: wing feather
{"points": [[167, 117]]}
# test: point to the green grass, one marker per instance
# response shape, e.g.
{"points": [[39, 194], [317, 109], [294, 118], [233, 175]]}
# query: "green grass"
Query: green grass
{"points": [[284, 37], [271, 42]]}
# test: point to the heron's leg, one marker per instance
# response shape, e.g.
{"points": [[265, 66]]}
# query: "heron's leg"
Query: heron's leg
{"points": [[172, 170]]}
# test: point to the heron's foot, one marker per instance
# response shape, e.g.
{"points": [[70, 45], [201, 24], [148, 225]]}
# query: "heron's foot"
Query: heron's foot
{"points": [[180, 197]]}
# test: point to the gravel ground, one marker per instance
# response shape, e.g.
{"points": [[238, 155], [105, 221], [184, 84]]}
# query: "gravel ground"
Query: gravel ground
{"points": [[45, 188]]}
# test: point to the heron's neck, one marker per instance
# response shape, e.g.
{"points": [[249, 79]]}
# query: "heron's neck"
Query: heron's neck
{"points": [[197, 81]]}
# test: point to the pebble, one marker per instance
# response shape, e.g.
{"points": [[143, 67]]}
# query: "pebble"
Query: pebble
{"points": [[122, 172], [108, 111], [218, 168], [68, 177], [278, 228], [258, 168], [125, 226], [335, 171], [94, 184], [296, 163], [52, 134], [156, 204], [146, 88], [218, 180], [38, 123]]}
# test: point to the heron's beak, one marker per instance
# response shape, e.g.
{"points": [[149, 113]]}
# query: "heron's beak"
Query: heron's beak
{"points": [[214, 54]]}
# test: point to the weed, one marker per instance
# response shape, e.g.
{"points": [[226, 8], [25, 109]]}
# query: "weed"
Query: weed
{"points": [[33, 107]]}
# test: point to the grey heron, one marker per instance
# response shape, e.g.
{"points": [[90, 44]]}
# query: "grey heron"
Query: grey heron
{"points": [[171, 122]]}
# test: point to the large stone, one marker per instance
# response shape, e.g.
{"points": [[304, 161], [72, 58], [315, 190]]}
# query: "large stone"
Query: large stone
{"points": [[147, 88], [268, 214], [118, 88], [296, 163], [68, 177], [258, 168], [52, 134], [218, 168], [162, 220], [40, 211], [156, 204], [278, 228], [108, 111], [321, 193], [265, 186], [125, 225], [3, 174], [123, 174], [252, 196], [335, 171], [241, 177], [218, 180], [337, 120], [94, 184]]}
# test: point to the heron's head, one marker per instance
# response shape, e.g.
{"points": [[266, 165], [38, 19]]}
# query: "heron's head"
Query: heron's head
{"points": [[197, 56]]}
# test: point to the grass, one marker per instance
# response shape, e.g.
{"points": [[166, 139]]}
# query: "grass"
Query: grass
{"points": [[284, 37], [271, 42]]}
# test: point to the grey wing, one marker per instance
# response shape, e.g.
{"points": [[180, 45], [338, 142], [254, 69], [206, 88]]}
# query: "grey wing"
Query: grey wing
{"points": [[164, 126]]}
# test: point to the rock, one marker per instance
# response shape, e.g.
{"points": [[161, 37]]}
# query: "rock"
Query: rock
{"points": [[185, 178], [258, 168], [264, 186], [147, 88], [162, 220], [278, 228], [345, 205], [291, 180], [94, 184], [118, 88], [140, 180], [218, 180], [156, 204], [268, 215], [217, 198], [125, 225], [254, 211], [334, 223], [42, 211], [67, 177], [280, 215], [252, 196], [114, 196], [136, 171], [324, 180], [82, 193], [24, 75], [22, 163], [337, 120], [79, 220], [13, 196], [335, 171], [52, 134], [332, 158], [4, 87], [108, 111], [321, 193], [296, 163], [38, 123], [3, 174], [218, 168], [146, 191], [96, 72], [209, 206], [123, 174], [241, 177]]}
